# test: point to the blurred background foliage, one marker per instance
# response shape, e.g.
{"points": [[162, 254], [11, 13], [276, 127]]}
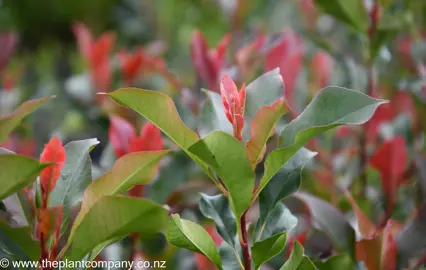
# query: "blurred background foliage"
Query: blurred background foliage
{"points": [[47, 61]]}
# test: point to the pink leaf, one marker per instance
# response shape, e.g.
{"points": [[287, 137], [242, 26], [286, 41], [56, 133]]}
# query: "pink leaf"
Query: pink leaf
{"points": [[288, 56], [120, 134]]}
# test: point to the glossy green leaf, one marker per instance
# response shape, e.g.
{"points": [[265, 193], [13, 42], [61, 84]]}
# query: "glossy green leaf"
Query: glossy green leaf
{"points": [[297, 260], [212, 115], [111, 217], [351, 12], [331, 107], [19, 242], [296, 257], [9, 122], [280, 219], [148, 104], [262, 128], [227, 157], [17, 172], [264, 91], [189, 235], [331, 221], [265, 250], [284, 183], [217, 208], [76, 174], [128, 171]]}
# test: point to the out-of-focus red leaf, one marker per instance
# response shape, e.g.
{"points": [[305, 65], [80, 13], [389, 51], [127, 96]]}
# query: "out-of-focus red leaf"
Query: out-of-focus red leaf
{"points": [[96, 54], [287, 54], [309, 12], [246, 56], [389, 249], [84, 39], [365, 226], [207, 62], [149, 140], [122, 136], [390, 160], [369, 251], [132, 64], [234, 104], [53, 152], [120, 132], [321, 68], [8, 43]]}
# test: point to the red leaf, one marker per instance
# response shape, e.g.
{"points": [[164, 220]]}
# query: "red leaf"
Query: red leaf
{"points": [[120, 134], [288, 56], [365, 226], [96, 54], [8, 43], [54, 153], [149, 140], [207, 62], [234, 103], [131, 65], [321, 65], [84, 40], [389, 249], [390, 160]]}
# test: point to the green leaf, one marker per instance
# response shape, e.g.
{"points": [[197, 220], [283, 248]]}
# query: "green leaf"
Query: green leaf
{"points": [[331, 107], [217, 208], [337, 262], [262, 128], [111, 217], [230, 257], [128, 171], [331, 221], [76, 174], [227, 157], [297, 260], [296, 257], [17, 172], [284, 183], [189, 235], [160, 110], [9, 122], [265, 250], [280, 219], [19, 242], [212, 115], [264, 91], [351, 12]]}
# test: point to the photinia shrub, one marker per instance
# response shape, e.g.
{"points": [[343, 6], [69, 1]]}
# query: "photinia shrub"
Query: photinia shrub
{"points": [[206, 173]]}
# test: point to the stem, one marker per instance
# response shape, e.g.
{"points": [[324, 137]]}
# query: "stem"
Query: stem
{"points": [[244, 243], [374, 16]]}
